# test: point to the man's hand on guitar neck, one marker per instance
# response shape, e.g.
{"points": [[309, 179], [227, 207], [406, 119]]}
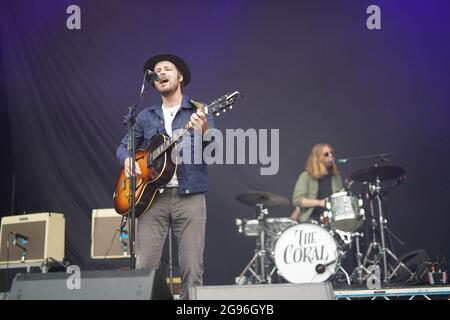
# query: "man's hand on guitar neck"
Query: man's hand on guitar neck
{"points": [[199, 121], [127, 167]]}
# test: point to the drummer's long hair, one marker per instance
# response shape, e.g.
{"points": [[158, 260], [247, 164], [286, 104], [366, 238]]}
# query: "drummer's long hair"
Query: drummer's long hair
{"points": [[314, 165]]}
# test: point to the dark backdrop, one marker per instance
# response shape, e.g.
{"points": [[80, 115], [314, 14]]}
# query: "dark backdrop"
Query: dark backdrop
{"points": [[309, 68]]}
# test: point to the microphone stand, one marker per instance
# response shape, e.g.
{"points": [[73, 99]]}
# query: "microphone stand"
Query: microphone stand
{"points": [[123, 237], [382, 158], [170, 260], [13, 193], [130, 121]]}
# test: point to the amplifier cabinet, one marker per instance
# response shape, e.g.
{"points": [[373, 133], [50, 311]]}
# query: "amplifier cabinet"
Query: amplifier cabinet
{"points": [[32, 238], [107, 242]]}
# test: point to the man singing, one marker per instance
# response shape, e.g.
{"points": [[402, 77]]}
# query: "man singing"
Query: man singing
{"points": [[181, 204]]}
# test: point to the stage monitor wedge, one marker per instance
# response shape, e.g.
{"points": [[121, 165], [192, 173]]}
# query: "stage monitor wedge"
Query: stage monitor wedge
{"points": [[283, 291], [145, 284]]}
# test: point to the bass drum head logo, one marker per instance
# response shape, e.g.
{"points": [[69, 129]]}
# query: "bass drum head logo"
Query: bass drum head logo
{"points": [[304, 249]]}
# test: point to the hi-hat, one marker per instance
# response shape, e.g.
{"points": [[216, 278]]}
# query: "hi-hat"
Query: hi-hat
{"points": [[266, 199], [383, 173]]}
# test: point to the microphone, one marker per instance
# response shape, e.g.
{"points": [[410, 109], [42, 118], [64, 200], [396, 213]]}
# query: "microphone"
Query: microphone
{"points": [[151, 76], [19, 236], [123, 236], [320, 268], [336, 161], [383, 158]]}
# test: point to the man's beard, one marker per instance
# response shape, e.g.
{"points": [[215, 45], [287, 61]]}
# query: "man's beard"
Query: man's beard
{"points": [[167, 92]]}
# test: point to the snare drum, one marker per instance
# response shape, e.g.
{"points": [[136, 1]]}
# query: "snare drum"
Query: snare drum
{"points": [[345, 212], [306, 253]]}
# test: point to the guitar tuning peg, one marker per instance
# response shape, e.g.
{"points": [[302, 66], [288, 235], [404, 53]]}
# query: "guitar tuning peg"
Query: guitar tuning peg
{"points": [[224, 110], [218, 114], [231, 107]]}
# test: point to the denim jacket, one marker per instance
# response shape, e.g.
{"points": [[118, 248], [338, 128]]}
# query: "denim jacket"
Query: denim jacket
{"points": [[192, 178]]}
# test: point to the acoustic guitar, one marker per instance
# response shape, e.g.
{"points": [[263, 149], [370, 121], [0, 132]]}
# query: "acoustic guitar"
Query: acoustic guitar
{"points": [[156, 164]]}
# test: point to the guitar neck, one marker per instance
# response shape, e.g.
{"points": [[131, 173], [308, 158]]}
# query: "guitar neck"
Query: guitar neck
{"points": [[213, 108], [169, 142]]}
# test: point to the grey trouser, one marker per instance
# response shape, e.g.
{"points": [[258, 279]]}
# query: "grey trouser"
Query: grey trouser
{"points": [[187, 214]]}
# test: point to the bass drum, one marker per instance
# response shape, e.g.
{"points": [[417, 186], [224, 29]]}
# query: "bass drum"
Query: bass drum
{"points": [[306, 253]]}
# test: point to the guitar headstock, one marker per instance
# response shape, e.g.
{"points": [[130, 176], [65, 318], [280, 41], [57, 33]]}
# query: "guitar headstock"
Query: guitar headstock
{"points": [[222, 103]]}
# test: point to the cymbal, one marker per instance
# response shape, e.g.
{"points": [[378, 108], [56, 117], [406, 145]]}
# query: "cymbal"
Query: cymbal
{"points": [[267, 199], [382, 172]]}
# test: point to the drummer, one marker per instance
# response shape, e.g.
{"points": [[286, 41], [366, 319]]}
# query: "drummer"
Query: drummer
{"points": [[319, 181]]}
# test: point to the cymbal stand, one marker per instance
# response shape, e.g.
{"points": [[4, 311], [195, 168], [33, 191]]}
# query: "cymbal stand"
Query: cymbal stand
{"points": [[374, 244], [260, 258], [383, 250]]}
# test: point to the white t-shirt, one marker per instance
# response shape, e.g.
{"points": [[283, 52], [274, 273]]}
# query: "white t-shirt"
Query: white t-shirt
{"points": [[169, 115]]}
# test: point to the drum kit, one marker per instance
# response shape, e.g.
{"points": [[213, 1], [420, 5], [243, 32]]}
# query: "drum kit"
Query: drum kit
{"points": [[313, 251]]}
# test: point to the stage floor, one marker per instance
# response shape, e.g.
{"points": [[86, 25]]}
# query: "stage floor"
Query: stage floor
{"points": [[437, 292], [440, 292]]}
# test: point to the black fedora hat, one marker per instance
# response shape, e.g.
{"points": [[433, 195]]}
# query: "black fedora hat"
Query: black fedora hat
{"points": [[177, 61]]}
